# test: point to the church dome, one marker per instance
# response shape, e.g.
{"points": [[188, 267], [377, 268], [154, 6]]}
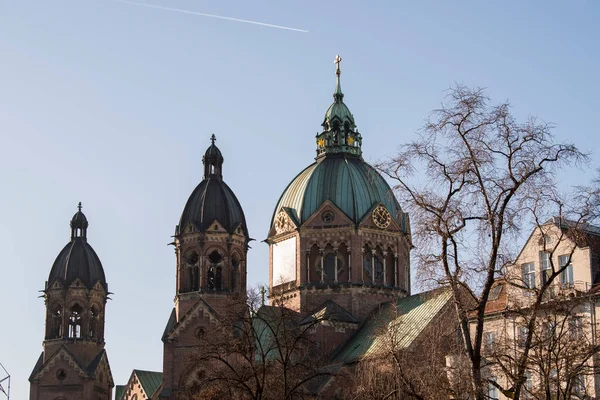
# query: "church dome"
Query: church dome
{"points": [[213, 199], [78, 260], [348, 182], [339, 174]]}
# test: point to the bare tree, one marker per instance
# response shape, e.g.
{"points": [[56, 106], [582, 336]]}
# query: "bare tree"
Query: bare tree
{"points": [[470, 181], [258, 352]]}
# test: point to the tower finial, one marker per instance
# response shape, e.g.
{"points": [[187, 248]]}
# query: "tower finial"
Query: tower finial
{"points": [[79, 206], [338, 95], [213, 138], [337, 62]]}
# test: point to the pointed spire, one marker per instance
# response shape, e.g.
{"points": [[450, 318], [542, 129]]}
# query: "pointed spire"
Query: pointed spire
{"points": [[79, 206], [338, 95], [213, 138], [339, 135]]}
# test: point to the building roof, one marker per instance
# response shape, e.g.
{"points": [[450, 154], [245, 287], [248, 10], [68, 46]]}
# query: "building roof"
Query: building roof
{"points": [[330, 311], [149, 380], [119, 390], [212, 199], [348, 182], [78, 260], [405, 318]]}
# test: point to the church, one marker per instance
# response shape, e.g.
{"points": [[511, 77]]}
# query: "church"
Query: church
{"points": [[339, 254]]}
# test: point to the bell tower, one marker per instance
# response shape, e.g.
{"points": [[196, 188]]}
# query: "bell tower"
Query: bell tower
{"points": [[211, 245], [73, 361]]}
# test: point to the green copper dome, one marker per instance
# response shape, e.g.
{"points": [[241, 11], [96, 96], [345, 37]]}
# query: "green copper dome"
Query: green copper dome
{"points": [[339, 175], [348, 182]]}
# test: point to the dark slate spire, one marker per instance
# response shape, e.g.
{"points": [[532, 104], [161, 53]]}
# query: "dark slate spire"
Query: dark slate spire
{"points": [[339, 135], [79, 224], [213, 161]]}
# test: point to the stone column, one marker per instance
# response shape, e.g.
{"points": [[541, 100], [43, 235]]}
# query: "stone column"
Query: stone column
{"points": [[373, 266], [349, 265], [384, 268], [395, 269], [307, 266], [321, 251], [335, 265]]}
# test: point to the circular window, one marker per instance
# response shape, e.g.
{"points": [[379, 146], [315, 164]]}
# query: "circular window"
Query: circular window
{"points": [[61, 374], [327, 217]]}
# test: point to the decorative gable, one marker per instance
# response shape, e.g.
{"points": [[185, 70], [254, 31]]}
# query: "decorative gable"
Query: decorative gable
{"points": [[283, 224], [216, 227], [328, 215], [62, 365], [379, 217], [200, 310]]}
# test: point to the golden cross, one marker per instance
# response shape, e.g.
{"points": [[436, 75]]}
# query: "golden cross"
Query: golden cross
{"points": [[337, 62]]}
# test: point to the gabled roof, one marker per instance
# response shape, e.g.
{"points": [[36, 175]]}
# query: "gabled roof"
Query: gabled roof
{"points": [[38, 371], [149, 380], [38, 366], [330, 311], [170, 324], [406, 319], [174, 327]]}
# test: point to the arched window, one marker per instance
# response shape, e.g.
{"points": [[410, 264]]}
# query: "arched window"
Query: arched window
{"points": [[329, 273], [235, 263], [193, 271], [210, 278], [214, 271], [93, 322], [372, 267], [219, 279], [57, 321], [75, 322]]}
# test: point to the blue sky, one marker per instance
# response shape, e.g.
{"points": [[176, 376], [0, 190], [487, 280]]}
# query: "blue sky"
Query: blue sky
{"points": [[113, 104]]}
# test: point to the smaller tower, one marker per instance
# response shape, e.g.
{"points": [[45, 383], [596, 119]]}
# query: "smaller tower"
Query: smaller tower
{"points": [[73, 362], [211, 244]]}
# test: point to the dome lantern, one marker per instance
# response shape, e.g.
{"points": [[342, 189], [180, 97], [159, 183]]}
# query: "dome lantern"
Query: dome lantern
{"points": [[79, 224], [339, 135], [213, 161]]}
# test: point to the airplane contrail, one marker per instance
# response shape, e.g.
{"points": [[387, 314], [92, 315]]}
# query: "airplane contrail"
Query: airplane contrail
{"points": [[213, 16]]}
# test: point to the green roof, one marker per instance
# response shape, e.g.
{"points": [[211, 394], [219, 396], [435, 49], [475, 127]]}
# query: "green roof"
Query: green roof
{"points": [[119, 390], [406, 318], [348, 182], [149, 380]]}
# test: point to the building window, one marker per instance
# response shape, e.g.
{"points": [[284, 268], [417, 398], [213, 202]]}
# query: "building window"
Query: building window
{"points": [[93, 322], [566, 277], [490, 341], [528, 386], [75, 322], [523, 333], [579, 385], [492, 389], [219, 279], [56, 323], [576, 327], [546, 267], [235, 263], [528, 275], [549, 330]]}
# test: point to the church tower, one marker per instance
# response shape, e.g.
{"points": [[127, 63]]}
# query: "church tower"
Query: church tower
{"points": [[211, 244], [339, 241], [73, 363]]}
